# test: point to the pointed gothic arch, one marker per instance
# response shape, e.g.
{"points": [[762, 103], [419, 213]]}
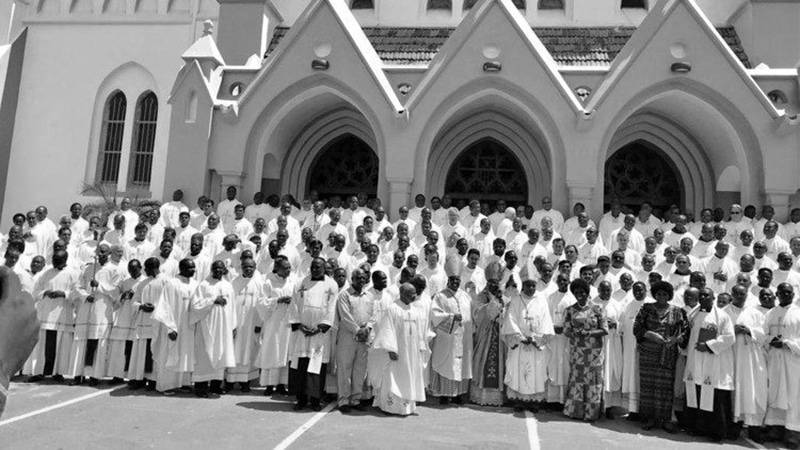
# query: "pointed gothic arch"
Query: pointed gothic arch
{"points": [[488, 170], [344, 166], [509, 148]]}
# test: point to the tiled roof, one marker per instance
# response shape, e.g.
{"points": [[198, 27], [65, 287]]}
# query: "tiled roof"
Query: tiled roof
{"points": [[593, 46]]}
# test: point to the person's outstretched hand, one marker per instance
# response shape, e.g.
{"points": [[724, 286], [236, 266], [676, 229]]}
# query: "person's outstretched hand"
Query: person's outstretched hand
{"points": [[19, 328]]}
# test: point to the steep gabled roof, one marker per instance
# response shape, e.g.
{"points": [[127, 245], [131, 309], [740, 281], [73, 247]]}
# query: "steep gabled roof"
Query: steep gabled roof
{"points": [[516, 21], [354, 33], [569, 46], [663, 13]]}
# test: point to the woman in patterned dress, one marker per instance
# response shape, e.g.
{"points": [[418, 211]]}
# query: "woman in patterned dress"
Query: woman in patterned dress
{"points": [[659, 328], [585, 325]]}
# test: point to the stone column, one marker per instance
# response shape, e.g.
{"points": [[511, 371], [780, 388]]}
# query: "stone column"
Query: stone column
{"points": [[399, 195], [584, 194], [779, 200]]}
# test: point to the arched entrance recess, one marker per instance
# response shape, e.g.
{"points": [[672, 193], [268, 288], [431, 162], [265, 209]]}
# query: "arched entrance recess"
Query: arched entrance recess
{"points": [[497, 130], [489, 171], [640, 172], [345, 166], [340, 127], [678, 148]]}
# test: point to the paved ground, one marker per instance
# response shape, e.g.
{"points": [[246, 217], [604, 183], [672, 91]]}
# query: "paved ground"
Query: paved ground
{"points": [[80, 417]]}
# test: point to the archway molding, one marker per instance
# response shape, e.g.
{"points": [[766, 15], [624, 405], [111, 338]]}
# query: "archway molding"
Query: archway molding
{"points": [[741, 140], [678, 146], [280, 123], [523, 124], [314, 138]]}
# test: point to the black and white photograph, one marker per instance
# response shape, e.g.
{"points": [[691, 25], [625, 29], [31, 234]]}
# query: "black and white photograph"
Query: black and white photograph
{"points": [[399, 224]]}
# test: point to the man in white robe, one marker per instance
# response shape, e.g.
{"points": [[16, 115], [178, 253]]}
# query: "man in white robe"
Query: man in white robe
{"points": [[170, 211], [225, 209], [710, 370], [97, 298], [174, 345], [528, 332], [281, 286], [451, 358], [783, 365], [750, 391], [558, 363], [249, 291], [148, 293], [398, 355], [214, 315], [123, 332], [630, 355], [53, 293], [614, 360], [311, 314]]}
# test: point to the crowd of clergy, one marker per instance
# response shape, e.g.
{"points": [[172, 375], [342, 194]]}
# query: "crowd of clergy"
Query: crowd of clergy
{"points": [[681, 324]]}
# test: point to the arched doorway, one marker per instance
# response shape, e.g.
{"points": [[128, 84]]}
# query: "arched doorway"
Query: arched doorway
{"points": [[487, 170], [640, 172], [345, 166]]}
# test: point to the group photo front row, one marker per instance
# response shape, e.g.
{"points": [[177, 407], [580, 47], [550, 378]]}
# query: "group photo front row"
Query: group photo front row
{"points": [[646, 315]]}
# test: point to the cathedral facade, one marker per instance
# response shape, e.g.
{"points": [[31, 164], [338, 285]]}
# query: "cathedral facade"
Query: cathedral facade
{"points": [[687, 102]]}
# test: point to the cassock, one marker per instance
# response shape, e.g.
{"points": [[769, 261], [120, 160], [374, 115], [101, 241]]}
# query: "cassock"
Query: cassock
{"points": [[123, 331], [399, 385], [314, 304], [630, 356], [56, 321], [558, 363], [175, 359], [783, 365], [614, 359], [750, 357], [145, 328], [273, 356], [93, 320], [248, 291], [791, 342], [709, 375], [451, 357], [214, 325], [526, 364]]}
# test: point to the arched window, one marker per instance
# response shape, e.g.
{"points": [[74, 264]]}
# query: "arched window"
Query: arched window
{"points": [[144, 139], [362, 4], [551, 4], [468, 4], [111, 138], [440, 4]]}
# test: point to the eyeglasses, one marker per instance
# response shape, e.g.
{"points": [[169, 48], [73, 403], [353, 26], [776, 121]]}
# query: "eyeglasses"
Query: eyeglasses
{"points": [[733, 213]]}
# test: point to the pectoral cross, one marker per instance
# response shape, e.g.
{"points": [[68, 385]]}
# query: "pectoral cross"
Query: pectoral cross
{"points": [[530, 321]]}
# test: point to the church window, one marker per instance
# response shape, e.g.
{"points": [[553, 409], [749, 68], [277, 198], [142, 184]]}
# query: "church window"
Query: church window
{"points": [[440, 4], [111, 139], [641, 4], [551, 4], [144, 139], [362, 4]]}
